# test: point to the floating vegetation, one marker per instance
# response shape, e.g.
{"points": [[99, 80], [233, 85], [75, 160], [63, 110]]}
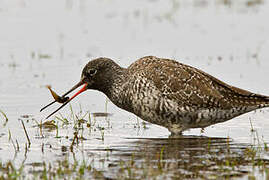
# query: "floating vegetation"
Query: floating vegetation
{"points": [[152, 159], [101, 114], [48, 125], [44, 56], [60, 169], [39, 55]]}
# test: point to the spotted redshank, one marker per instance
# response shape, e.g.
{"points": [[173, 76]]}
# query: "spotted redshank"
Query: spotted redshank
{"points": [[167, 93]]}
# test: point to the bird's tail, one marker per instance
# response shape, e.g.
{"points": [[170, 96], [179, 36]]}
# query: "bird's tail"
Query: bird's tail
{"points": [[259, 100]]}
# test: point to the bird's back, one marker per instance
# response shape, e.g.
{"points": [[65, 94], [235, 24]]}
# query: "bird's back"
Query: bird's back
{"points": [[193, 91]]}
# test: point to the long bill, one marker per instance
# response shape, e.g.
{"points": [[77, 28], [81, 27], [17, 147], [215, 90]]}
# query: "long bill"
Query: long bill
{"points": [[84, 88], [72, 89]]}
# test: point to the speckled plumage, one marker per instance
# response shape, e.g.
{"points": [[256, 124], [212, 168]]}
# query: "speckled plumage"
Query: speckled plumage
{"points": [[169, 93]]}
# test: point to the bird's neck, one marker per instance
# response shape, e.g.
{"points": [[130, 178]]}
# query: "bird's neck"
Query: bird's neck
{"points": [[114, 87]]}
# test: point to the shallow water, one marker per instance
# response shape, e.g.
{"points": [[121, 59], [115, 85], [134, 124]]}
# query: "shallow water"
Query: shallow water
{"points": [[48, 43]]}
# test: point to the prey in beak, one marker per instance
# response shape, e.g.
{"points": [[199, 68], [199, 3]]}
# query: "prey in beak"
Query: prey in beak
{"points": [[63, 99]]}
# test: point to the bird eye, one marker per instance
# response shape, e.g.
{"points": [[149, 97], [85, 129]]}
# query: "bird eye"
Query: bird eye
{"points": [[92, 72]]}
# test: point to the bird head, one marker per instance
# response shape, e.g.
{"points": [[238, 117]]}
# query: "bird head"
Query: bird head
{"points": [[95, 75]]}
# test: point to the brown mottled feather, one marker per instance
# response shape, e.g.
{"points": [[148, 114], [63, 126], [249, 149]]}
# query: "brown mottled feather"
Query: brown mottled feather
{"points": [[176, 79]]}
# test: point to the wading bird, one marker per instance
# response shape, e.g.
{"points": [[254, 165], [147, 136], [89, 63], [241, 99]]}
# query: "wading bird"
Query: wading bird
{"points": [[167, 93]]}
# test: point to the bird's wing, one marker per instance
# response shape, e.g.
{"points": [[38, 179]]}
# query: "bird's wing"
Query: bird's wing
{"points": [[188, 85]]}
